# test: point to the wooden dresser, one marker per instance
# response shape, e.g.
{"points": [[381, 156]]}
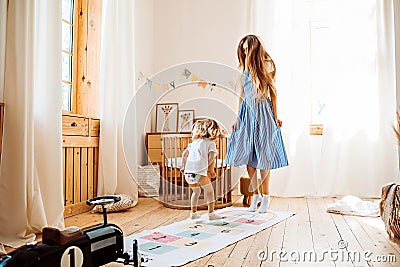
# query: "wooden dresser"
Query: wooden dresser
{"points": [[80, 153], [154, 148]]}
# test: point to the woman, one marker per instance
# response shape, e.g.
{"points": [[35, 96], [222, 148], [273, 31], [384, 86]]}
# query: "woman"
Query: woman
{"points": [[256, 140]]}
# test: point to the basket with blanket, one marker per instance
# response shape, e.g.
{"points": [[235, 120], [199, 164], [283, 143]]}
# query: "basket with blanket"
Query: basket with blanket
{"points": [[390, 199]]}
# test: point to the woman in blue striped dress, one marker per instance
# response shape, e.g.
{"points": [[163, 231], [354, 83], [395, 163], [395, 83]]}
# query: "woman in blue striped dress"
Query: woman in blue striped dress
{"points": [[256, 139]]}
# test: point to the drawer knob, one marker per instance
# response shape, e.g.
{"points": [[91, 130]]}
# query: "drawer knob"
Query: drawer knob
{"points": [[74, 124]]}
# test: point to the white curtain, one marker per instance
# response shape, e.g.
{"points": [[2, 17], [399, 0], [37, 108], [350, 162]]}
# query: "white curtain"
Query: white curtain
{"points": [[335, 65], [3, 24], [117, 89], [31, 195], [396, 7]]}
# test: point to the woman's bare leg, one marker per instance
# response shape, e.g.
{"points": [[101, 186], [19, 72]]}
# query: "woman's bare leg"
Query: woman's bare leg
{"points": [[264, 187], [253, 187], [252, 172], [265, 176]]}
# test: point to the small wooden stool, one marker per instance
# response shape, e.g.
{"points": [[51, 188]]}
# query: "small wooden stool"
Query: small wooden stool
{"points": [[244, 190]]}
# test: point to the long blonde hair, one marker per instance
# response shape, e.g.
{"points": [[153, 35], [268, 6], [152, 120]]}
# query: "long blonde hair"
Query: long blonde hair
{"points": [[261, 66]]}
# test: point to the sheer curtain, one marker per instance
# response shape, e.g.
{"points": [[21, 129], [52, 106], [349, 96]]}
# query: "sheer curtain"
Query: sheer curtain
{"points": [[117, 89], [31, 194], [3, 24], [335, 65], [396, 7]]}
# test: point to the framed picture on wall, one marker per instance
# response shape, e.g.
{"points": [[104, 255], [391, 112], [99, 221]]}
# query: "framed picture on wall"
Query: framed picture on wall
{"points": [[166, 117], [185, 120]]}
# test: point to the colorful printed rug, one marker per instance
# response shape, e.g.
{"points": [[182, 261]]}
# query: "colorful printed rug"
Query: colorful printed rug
{"points": [[181, 242]]}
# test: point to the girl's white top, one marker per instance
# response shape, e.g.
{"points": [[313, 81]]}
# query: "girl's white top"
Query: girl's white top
{"points": [[197, 161]]}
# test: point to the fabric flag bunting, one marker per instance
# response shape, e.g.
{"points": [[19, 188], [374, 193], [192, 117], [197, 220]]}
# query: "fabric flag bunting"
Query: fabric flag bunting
{"points": [[148, 82], [141, 76], [212, 85], [171, 85], [194, 78], [202, 84], [187, 73]]}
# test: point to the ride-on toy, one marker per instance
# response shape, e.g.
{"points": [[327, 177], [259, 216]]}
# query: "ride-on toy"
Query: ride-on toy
{"points": [[73, 247]]}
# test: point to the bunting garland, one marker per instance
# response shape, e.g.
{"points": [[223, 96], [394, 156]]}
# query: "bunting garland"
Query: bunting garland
{"points": [[194, 78], [148, 82], [187, 73], [212, 86], [203, 84], [172, 84]]}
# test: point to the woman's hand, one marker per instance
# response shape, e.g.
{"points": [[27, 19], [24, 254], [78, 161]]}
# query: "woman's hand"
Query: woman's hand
{"points": [[234, 125], [278, 122]]}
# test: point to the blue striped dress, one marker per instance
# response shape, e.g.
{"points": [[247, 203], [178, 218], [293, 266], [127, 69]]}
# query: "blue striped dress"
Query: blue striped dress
{"points": [[257, 140]]}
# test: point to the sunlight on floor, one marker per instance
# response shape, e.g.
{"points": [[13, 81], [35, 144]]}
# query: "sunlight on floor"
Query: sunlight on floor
{"points": [[374, 222]]}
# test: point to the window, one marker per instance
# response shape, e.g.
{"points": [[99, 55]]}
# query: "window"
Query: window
{"points": [[81, 44], [319, 72], [343, 49], [67, 53]]}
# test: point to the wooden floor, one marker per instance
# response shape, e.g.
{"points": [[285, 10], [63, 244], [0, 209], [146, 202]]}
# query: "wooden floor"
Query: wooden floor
{"points": [[330, 239]]}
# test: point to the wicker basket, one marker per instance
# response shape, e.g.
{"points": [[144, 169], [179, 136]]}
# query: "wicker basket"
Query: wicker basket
{"points": [[149, 180], [390, 209]]}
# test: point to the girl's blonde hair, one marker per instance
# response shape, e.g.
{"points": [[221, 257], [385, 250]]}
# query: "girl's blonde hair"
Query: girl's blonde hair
{"points": [[205, 128], [261, 66]]}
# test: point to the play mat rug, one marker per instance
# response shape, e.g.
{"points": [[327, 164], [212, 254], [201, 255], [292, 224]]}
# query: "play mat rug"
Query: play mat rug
{"points": [[181, 242]]}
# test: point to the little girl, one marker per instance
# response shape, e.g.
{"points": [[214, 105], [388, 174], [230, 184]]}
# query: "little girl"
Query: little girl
{"points": [[198, 165]]}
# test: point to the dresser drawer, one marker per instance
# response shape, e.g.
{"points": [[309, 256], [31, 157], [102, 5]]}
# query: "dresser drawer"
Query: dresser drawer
{"points": [[154, 141], [155, 154], [74, 125], [94, 127]]}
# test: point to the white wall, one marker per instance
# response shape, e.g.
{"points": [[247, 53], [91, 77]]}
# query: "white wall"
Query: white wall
{"points": [[218, 102], [192, 30], [144, 36], [178, 31], [144, 62]]}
